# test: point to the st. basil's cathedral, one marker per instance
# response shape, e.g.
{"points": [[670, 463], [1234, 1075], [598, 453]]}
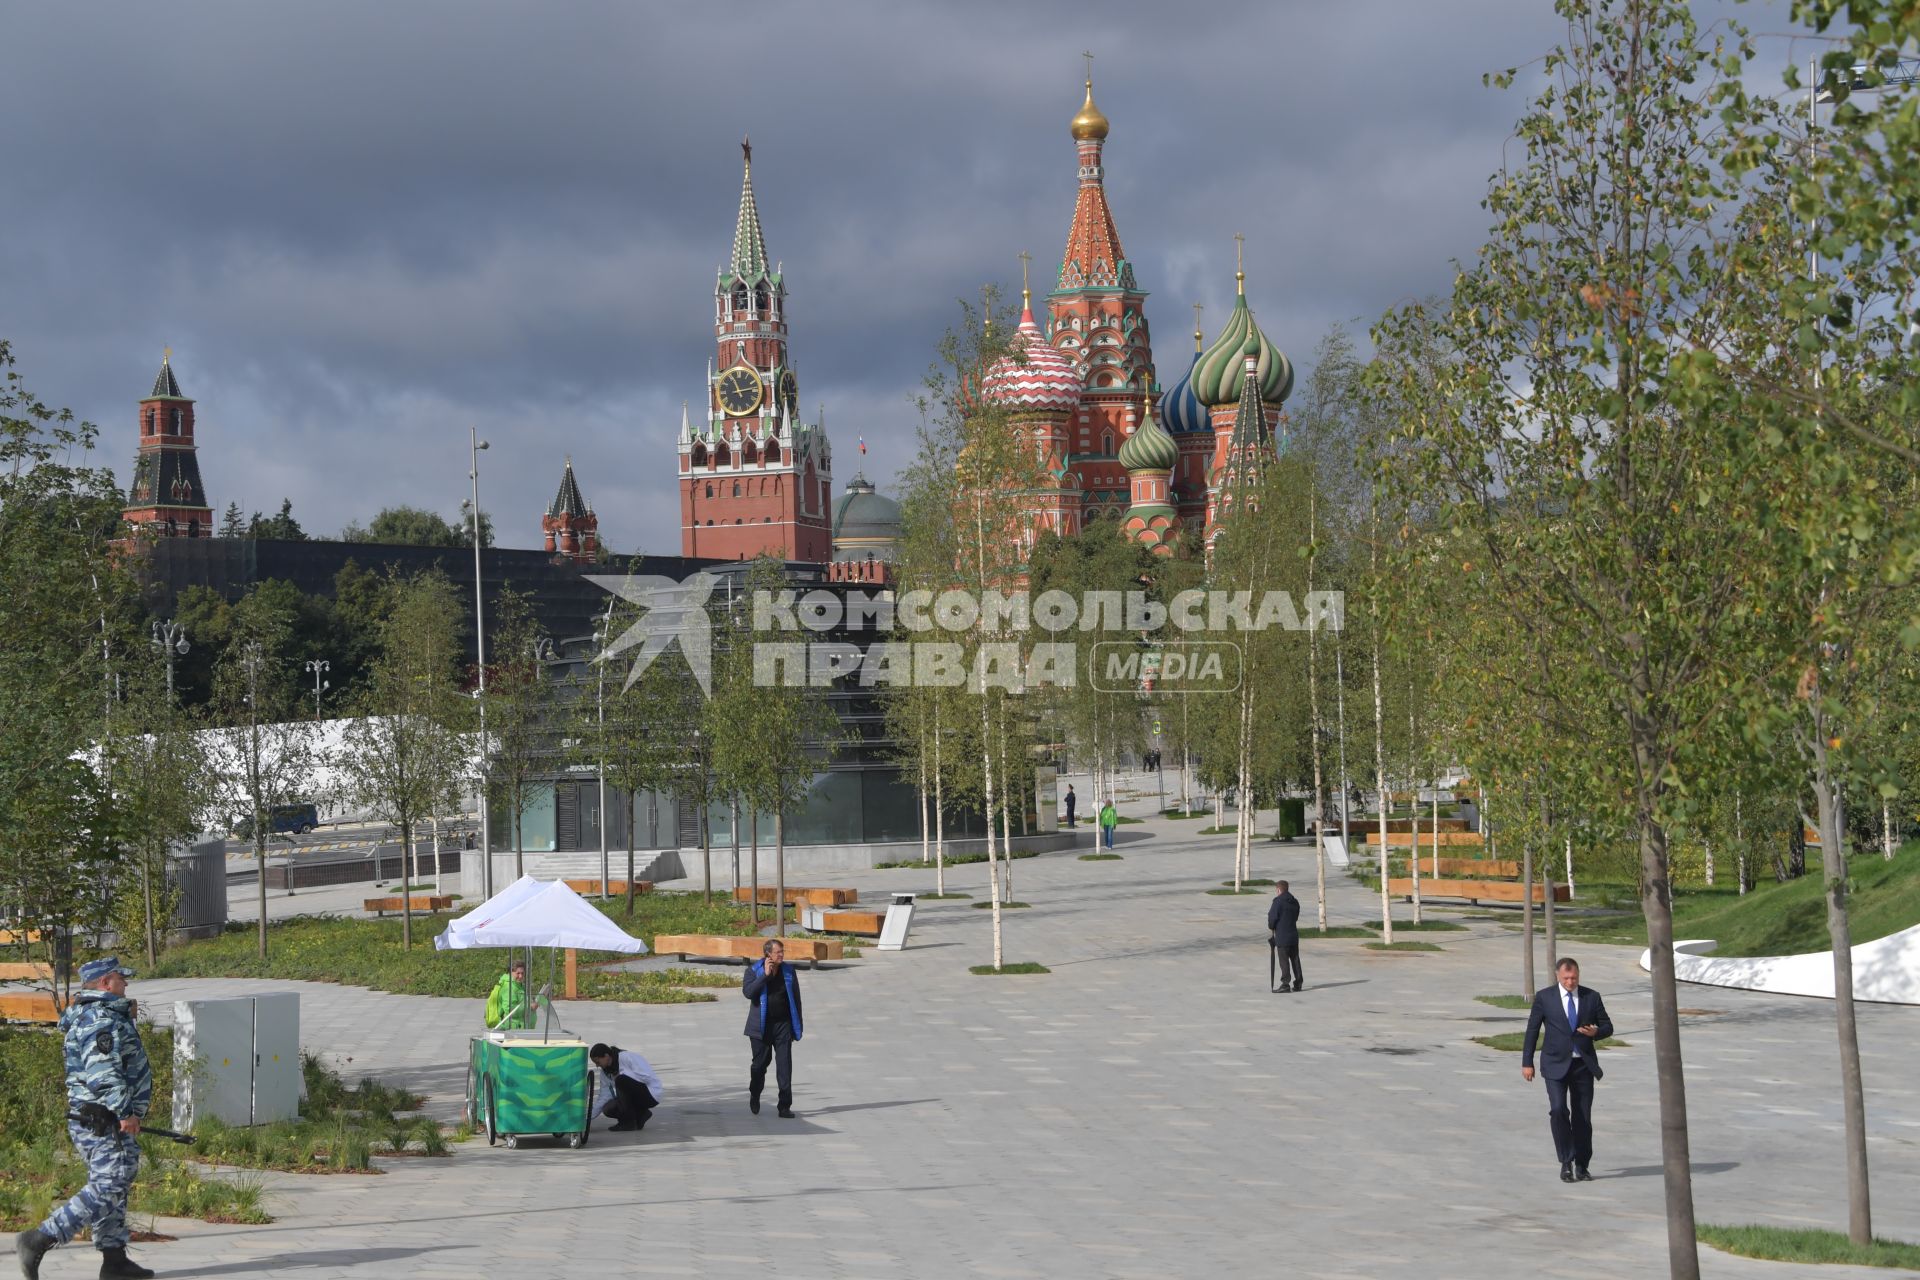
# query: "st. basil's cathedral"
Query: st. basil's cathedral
{"points": [[755, 477]]}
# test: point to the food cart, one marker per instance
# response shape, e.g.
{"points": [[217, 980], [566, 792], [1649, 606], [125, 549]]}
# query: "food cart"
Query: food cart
{"points": [[526, 1083]]}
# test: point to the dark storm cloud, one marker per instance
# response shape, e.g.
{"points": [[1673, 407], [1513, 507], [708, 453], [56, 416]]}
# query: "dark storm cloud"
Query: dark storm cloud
{"points": [[364, 226]]}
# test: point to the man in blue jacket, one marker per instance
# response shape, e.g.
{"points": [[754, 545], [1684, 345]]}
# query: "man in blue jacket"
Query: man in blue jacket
{"points": [[110, 1085], [1574, 1018], [772, 989]]}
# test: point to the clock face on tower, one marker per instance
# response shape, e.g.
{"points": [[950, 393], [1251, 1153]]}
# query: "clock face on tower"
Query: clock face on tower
{"points": [[739, 390], [789, 391]]}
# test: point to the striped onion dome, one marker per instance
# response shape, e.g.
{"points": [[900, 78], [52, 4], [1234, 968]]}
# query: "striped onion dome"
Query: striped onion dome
{"points": [[1149, 448], [1180, 409], [1217, 375], [1046, 381]]}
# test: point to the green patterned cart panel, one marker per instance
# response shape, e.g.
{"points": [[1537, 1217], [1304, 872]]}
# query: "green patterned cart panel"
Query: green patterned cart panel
{"points": [[538, 1088]]}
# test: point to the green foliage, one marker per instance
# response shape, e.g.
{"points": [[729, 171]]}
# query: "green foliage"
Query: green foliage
{"points": [[1809, 1244], [1004, 905], [1401, 946], [1099, 857], [405, 526], [282, 525], [1506, 1001], [1024, 966]]}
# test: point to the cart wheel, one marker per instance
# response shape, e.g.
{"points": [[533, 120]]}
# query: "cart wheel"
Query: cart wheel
{"points": [[576, 1140], [586, 1125], [513, 1142], [493, 1132]]}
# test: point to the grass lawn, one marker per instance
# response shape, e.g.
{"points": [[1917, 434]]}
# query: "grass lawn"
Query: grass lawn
{"points": [[1128, 822], [1424, 926], [1511, 1041], [1005, 906], [1336, 931], [367, 953], [1777, 919], [1024, 966], [1177, 813], [939, 897], [1228, 893], [1099, 857], [1402, 946], [1807, 1244], [1229, 884], [1506, 1002]]}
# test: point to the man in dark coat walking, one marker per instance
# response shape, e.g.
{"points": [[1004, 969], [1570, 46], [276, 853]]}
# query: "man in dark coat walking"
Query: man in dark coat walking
{"points": [[1574, 1017], [1283, 931], [772, 989], [1072, 801]]}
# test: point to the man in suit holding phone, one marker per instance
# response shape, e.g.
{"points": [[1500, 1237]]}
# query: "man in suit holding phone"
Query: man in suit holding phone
{"points": [[1574, 1018]]}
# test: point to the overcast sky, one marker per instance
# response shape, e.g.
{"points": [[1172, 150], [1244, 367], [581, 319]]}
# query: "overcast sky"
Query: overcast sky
{"points": [[363, 226]]}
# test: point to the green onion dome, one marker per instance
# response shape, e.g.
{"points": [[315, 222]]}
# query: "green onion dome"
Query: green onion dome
{"points": [[1218, 375], [1149, 448]]}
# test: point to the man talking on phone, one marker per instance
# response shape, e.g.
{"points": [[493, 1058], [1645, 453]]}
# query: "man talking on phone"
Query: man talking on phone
{"points": [[772, 989], [1574, 1018]]}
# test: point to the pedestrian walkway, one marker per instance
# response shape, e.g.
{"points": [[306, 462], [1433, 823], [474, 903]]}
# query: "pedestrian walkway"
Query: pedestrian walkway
{"points": [[1148, 1108]]}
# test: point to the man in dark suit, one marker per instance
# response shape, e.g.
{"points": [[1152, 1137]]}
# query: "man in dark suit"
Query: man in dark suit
{"points": [[1283, 931], [1574, 1018]]}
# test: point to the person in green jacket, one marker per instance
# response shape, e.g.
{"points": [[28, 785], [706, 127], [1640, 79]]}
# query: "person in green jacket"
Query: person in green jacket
{"points": [[507, 1007], [1109, 819]]}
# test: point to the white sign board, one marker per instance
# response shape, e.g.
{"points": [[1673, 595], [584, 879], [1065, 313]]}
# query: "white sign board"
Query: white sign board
{"points": [[1336, 850], [893, 930]]}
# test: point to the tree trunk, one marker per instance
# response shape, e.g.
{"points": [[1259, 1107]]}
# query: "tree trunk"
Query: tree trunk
{"points": [[1546, 881], [753, 820], [406, 884], [1831, 808], [146, 892], [926, 824], [1656, 904], [1886, 830], [1380, 769], [1526, 916], [632, 808], [735, 824], [993, 868], [1319, 777], [1706, 843], [779, 872], [706, 852], [1570, 890], [939, 811]]}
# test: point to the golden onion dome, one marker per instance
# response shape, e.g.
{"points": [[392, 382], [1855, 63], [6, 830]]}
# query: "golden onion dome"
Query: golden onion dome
{"points": [[1090, 123]]}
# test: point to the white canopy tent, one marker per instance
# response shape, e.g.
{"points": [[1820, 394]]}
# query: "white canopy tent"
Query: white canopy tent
{"points": [[533, 913], [459, 932], [554, 916]]}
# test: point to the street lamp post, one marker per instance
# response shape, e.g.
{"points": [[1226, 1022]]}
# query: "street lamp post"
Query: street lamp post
{"points": [[474, 445], [170, 638], [1340, 695], [319, 667], [600, 722]]}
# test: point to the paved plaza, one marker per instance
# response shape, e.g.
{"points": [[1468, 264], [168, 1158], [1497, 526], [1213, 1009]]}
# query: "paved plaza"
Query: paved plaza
{"points": [[1147, 1109]]}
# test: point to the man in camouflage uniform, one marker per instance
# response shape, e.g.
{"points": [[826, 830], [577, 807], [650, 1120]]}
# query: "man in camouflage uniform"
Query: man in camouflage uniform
{"points": [[107, 1075]]}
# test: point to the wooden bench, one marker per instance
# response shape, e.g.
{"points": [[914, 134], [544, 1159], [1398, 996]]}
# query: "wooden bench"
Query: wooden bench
{"points": [[423, 902], [34, 972], [13, 938], [1404, 839], [1470, 868], [615, 888], [1473, 890], [862, 922], [726, 947], [29, 1006], [795, 896]]}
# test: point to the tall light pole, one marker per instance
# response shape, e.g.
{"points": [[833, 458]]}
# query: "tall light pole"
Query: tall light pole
{"points": [[600, 719], [474, 445], [319, 666], [1340, 694], [170, 638]]}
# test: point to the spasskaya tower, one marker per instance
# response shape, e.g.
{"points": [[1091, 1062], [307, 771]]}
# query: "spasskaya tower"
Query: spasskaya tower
{"points": [[754, 477]]}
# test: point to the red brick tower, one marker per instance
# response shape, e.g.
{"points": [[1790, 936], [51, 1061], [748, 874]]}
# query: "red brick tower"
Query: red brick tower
{"points": [[166, 498], [571, 527], [1095, 315], [752, 478]]}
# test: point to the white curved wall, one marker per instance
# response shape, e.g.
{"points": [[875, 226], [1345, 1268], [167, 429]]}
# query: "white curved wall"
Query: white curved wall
{"points": [[1886, 971]]}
